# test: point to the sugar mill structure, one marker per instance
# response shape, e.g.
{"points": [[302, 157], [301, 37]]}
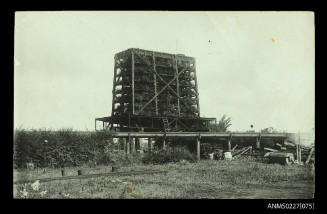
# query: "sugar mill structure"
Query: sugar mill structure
{"points": [[155, 91], [155, 96]]}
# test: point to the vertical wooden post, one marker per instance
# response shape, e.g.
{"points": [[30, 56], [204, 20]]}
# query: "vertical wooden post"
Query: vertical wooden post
{"points": [[155, 82], [177, 87], [196, 88], [129, 121], [113, 93], [127, 145], [130, 143], [133, 145], [119, 145], [300, 155], [133, 82], [149, 145], [137, 144], [164, 144], [123, 141], [198, 148], [258, 142], [229, 144]]}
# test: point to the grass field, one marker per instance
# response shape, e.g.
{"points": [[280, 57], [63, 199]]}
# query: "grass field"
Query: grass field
{"points": [[213, 179]]}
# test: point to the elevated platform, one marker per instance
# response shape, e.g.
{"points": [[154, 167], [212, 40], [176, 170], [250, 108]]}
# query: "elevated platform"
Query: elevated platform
{"points": [[136, 123], [256, 138]]}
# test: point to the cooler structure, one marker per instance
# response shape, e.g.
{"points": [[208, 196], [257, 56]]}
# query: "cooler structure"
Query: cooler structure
{"points": [[155, 91]]}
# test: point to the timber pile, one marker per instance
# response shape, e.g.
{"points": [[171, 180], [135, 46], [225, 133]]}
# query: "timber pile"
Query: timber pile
{"points": [[243, 151], [306, 152]]}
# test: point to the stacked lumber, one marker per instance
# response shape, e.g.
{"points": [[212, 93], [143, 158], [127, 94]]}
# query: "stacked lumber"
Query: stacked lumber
{"points": [[242, 151]]}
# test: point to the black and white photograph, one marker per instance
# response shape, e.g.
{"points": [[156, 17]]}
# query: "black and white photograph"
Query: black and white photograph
{"points": [[164, 105]]}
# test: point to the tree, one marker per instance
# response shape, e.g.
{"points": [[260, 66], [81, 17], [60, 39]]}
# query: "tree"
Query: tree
{"points": [[223, 124]]}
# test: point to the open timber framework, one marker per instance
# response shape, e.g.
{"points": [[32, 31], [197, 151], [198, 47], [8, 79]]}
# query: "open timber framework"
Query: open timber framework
{"points": [[155, 95]]}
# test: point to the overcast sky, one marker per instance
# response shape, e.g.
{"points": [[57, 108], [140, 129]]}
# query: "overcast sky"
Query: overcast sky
{"points": [[256, 67]]}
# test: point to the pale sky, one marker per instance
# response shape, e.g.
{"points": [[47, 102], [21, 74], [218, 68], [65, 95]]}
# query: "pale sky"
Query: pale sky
{"points": [[256, 67]]}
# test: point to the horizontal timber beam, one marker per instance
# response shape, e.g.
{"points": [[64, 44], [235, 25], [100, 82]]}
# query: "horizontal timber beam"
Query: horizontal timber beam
{"points": [[195, 134]]}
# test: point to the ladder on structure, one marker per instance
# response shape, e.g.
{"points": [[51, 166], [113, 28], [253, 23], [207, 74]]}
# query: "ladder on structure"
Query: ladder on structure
{"points": [[166, 124]]}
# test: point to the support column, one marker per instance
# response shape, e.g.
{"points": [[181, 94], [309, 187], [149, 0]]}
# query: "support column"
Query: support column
{"points": [[229, 143], [155, 83], [258, 143], [300, 155], [132, 61], [127, 146], [149, 145], [133, 145], [177, 87], [198, 148], [137, 144], [124, 144], [113, 94], [164, 144], [196, 88], [119, 146]]}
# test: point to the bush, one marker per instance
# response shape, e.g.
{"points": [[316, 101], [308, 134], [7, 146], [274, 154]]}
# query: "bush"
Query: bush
{"points": [[168, 155], [65, 147]]}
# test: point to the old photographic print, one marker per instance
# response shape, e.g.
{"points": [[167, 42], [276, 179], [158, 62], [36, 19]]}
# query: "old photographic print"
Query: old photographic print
{"points": [[164, 105]]}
